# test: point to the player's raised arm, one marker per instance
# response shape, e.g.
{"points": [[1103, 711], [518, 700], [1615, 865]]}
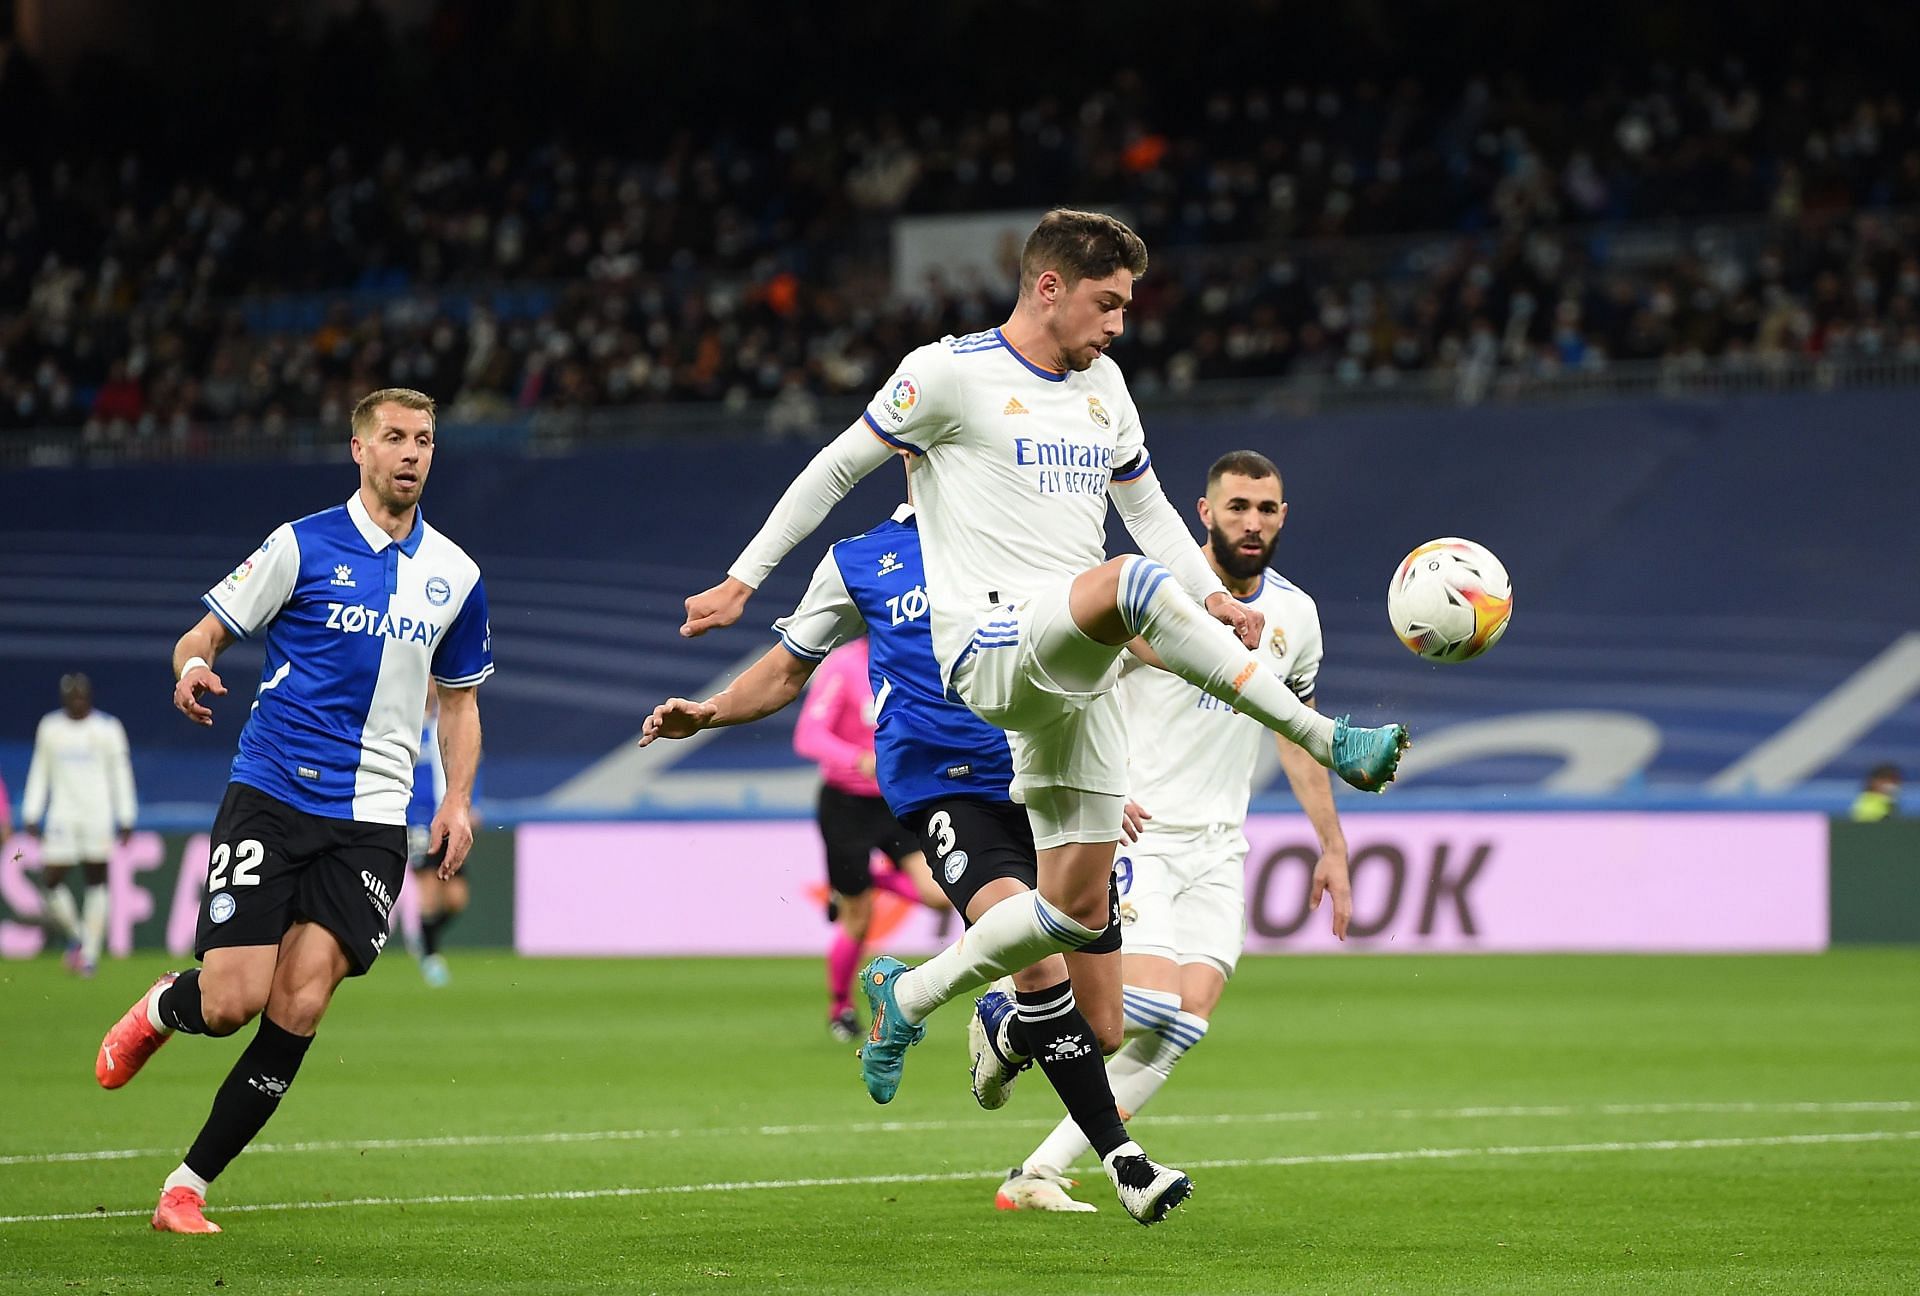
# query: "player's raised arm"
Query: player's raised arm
{"points": [[908, 415], [825, 619], [823, 483]]}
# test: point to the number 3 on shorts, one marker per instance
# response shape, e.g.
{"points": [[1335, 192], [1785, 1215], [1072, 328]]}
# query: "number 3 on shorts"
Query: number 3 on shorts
{"points": [[940, 828], [246, 858]]}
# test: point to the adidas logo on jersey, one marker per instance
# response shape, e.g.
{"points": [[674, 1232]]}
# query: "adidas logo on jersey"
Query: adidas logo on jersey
{"points": [[343, 575], [1014, 406]]}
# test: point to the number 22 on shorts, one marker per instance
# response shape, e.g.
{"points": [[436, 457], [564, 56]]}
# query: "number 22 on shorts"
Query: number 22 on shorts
{"points": [[245, 858]]}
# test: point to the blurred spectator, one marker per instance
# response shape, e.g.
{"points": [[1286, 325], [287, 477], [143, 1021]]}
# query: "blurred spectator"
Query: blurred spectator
{"points": [[1880, 798]]}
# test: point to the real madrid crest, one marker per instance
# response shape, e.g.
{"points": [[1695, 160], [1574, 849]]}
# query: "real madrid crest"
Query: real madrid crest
{"points": [[1278, 642], [1098, 412]]}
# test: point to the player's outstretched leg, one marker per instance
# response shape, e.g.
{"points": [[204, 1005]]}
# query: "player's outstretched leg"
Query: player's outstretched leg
{"points": [[1016, 933], [1200, 650]]}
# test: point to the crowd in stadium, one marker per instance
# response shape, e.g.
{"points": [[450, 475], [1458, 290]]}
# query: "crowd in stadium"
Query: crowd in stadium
{"points": [[268, 285]]}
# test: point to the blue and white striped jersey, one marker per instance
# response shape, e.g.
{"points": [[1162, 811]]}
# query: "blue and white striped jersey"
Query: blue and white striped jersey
{"points": [[925, 745], [356, 623]]}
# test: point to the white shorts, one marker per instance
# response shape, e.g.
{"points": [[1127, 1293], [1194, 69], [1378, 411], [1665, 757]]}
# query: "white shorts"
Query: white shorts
{"points": [[76, 841], [1033, 673], [1183, 895]]}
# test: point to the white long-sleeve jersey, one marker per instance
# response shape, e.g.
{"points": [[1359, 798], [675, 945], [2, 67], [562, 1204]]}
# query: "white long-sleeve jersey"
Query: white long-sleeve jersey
{"points": [[1010, 467], [81, 773]]}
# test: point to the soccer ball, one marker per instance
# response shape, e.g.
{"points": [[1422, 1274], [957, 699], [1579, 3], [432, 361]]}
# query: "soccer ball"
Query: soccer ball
{"points": [[1450, 600]]}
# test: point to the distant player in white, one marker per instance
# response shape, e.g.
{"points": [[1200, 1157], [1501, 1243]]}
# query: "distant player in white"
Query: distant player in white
{"points": [[80, 799], [1182, 885], [1015, 437]]}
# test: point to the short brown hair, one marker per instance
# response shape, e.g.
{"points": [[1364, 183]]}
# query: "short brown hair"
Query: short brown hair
{"points": [[403, 396], [1243, 463], [1080, 245]]}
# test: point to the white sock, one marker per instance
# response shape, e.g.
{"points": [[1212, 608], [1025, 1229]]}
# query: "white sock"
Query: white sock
{"points": [[1016, 933], [60, 910], [1136, 1073], [1206, 654], [1129, 1148], [1135, 1084], [1147, 1012], [184, 1178], [93, 922], [153, 1012]]}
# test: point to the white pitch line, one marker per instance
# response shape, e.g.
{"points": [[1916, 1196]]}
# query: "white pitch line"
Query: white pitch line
{"points": [[956, 1176], [940, 1126]]}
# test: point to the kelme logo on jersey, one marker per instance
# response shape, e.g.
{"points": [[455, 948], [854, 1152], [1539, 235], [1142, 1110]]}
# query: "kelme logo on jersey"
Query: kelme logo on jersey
{"points": [[889, 564], [343, 575], [351, 618], [904, 396]]}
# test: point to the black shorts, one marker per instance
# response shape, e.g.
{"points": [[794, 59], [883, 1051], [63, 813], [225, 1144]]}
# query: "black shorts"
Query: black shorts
{"points": [[853, 828], [970, 842], [272, 866]]}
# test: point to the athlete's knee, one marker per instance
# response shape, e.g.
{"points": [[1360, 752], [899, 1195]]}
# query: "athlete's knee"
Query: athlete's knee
{"points": [[95, 874], [1109, 1028], [1095, 601], [227, 1004], [299, 1007], [1086, 905], [1049, 971]]}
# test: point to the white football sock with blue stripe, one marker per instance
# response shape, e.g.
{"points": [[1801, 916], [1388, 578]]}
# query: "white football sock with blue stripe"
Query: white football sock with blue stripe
{"points": [[1148, 1012], [1016, 933], [1206, 654]]}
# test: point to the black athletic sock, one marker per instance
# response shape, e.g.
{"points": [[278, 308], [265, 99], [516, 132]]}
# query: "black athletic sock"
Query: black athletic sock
{"points": [[430, 929], [180, 1006], [1049, 1027], [247, 1097]]}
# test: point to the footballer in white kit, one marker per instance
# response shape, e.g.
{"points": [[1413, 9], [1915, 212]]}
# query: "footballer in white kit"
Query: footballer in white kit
{"points": [[1016, 438], [1182, 884], [80, 799]]}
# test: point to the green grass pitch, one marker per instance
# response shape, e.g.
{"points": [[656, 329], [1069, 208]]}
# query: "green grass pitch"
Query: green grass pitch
{"points": [[1353, 1124]]}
